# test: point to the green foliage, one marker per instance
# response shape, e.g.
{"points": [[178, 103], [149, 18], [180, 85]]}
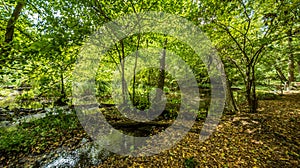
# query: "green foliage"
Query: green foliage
{"points": [[255, 39], [190, 163], [36, 135], [27, 100], [142, 99]]}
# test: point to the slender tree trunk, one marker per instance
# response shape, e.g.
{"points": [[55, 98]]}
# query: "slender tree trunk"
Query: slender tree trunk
{"points": [[299, 66], [123, 72], [62, 100], [291, 64], [280, 74], [63, 92], [161, 81], [149, 70], [134, 78], [134, 70]]}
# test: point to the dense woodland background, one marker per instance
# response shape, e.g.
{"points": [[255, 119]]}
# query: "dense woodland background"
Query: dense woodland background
{"points": [[40, 41]]}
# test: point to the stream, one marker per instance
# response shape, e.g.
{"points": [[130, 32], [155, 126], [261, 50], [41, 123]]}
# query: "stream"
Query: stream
{"points": [[14, 121], [87, 154]]}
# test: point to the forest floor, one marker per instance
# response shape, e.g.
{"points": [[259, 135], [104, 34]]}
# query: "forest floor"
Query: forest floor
{"points": [[268, 138]]}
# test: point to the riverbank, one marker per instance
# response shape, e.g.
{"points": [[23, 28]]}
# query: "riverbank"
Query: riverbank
{"points": [[268, 138]]}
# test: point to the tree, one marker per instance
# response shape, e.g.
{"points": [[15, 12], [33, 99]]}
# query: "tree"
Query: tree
{"points": [[7, 44], [42, 40], [124, 46], [242, 31]]}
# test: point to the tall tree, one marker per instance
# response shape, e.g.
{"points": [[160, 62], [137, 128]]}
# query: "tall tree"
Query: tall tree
{"points": [[241, 31]]}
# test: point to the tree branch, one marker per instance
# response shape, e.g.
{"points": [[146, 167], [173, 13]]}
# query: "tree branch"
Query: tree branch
{"points": [[12, 21]]}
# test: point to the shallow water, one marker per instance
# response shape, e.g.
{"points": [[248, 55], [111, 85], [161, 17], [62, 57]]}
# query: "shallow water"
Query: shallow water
{"points": [[31, 117], [89, 154]]}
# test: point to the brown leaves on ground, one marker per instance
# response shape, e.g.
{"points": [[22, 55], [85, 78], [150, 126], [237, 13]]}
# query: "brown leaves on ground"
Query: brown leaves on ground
{"points": [[268, 138]]}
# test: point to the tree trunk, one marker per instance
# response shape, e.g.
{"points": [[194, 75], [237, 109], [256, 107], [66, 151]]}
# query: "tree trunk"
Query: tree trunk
{"points": [[134, 79], [230, 101], [62, 100], [10, 28], [291, 64], [250, 88], [161, 81], [134, 70], [299, 67], [9, 34], [63, 92], [280, 74], [124, 87], [254, 98]]}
